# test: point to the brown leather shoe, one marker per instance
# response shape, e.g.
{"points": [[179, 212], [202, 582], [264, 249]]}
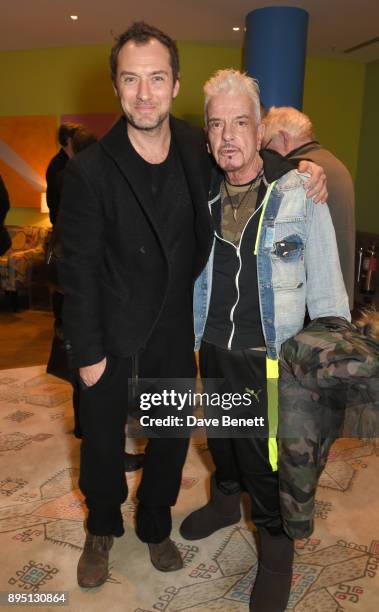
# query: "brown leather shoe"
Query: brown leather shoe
{"points": [[165, 556], [93, 562]]}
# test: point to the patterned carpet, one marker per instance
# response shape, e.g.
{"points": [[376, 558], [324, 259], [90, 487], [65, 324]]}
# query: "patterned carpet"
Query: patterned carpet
{"points": [[41, 517]]}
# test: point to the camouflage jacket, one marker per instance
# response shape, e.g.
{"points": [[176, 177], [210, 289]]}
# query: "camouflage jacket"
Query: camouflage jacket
{"points": [[328, 387]]}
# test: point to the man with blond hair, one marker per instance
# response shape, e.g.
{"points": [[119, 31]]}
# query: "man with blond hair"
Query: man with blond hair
{"points": [[274, 255], [290, 133]]}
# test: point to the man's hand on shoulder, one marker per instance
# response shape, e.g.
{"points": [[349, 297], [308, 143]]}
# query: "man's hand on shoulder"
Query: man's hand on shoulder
{"points": [[90, 375], [316, 184]]}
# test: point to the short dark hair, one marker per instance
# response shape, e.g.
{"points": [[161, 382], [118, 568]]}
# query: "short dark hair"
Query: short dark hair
{"points": [[140, 33], [66, 131], [82, 139]]}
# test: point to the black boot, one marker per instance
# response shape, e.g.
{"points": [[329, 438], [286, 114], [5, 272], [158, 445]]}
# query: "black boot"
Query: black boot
{"points": [[222, 510], [272, 585]]}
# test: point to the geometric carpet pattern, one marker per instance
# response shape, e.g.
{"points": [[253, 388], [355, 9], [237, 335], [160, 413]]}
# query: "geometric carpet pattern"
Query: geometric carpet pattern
{"points": [[42, 513]]}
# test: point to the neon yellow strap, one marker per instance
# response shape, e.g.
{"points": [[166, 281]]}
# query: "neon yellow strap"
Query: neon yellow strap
{"points": [[272, 367], [272, 374], [264, 206]]}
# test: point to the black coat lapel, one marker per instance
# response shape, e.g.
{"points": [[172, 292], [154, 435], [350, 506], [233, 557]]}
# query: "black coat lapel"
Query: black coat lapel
{"points": [[116, 144], [196, 171], [197, 165]]}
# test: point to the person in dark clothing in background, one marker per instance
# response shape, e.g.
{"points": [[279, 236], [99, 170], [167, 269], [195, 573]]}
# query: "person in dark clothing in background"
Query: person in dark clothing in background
{"points": [[5, 241], [82, 139], [57, 364], [56, 166], [74, 138]]}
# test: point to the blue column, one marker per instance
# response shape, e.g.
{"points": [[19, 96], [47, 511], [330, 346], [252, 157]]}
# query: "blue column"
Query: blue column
{"points": [[275, 47]]}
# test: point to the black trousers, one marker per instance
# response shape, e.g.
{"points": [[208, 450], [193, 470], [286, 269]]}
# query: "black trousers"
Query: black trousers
{"points": [[103, 414], [244, 460], [58, 364]]}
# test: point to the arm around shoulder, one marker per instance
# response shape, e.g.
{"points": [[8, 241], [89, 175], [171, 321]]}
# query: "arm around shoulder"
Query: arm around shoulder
{"points": [[326, 293]]}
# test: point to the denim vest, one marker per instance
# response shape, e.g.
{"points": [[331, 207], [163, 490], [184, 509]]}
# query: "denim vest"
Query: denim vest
{"points": [[297, 265]]}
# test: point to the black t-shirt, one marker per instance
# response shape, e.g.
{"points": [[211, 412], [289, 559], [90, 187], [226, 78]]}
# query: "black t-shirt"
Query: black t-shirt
{"points": [[173, 203]]}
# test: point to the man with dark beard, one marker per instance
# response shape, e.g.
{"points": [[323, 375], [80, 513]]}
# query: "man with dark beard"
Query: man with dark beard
{"points": [[135, 234]]}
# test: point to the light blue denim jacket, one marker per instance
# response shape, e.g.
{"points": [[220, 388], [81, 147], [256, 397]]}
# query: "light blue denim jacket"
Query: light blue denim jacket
{"points": [[306, 274]]}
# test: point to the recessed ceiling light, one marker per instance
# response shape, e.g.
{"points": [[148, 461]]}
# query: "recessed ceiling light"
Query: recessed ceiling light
{"points": [[74, 17], [236, 29]]}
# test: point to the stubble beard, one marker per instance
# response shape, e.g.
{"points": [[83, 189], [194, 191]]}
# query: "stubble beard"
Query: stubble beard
{"points": [[146, 127]]}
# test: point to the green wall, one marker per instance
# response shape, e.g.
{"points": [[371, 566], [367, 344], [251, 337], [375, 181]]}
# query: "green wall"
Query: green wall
{"points": [[198, 63], [76, 80], [367, 184], [333, 95], [56, 81]]}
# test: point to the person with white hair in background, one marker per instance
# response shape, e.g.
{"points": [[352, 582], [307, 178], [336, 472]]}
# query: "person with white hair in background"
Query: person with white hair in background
{"points": [[291, 134]]}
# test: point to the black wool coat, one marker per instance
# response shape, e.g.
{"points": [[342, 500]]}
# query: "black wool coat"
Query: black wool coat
{"points": [[114, 269]]}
